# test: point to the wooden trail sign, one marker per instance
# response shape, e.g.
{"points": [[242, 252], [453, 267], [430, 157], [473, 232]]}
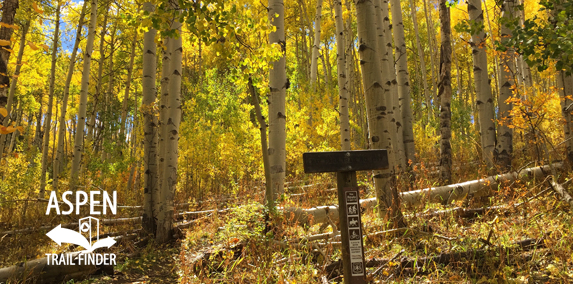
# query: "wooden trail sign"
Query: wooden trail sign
{"points": [[345, 164]]}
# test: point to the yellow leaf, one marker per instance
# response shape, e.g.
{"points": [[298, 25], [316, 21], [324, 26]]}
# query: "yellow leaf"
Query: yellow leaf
{"points": [[4, 42], [45, 47], [32, 46], [20, 128], [37, 9], [8, 26], [3, 112]]}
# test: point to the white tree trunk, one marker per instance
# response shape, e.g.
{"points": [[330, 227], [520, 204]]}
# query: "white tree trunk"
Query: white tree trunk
{"points": [[442, 194], [403, 79], [150, 178], [565, 88], [389, 76], [79, 139], [445, 94], [342, 83], [98, 87], [377, 108], [58, 163], [315, 46], [504, 147], [124, 106], [169, 182], [48, 118], [422, 59], [277, 115], [484, 101]]}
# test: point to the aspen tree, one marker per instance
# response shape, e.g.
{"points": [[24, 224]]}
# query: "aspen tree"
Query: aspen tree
{"points": [[422, 59], [124, 106], [389, 77], [504, 147], [99, 85], [48, 118], [173, 120], [445, 94], [484, 100], [315, 46], [403, 79], [149, 92], [12, 91], [79, 138], [277, 116], [377, 110], [62, 128], [342, 83]]}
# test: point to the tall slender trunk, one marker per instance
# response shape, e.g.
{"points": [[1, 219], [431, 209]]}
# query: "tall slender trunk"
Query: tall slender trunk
{"points": [[342, 82], [169, 183], [162, 122], [150, 178], [14, 83], [315, 46], [405, 99], [484, 100], [124, 107], [260, 119], [565, 87], [106, 127], [277, 115], [495, 56], [58, 163], [445, 94], [422, 59], [48, 119], [377, 109], [504, 147], [98, 87], [432, 46], [79, 139]]}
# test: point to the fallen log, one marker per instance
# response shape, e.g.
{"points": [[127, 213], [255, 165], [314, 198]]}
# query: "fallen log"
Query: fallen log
{"points": [[563, 194], [441, 194], [38, 271]]}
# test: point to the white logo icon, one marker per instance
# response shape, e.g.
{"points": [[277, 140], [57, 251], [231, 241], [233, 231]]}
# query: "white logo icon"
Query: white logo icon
{"points": [[62, 235]]}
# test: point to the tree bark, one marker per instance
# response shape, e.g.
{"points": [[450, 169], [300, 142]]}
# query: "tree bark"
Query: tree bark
{"points": [[484, 100], [98, 93], [403, 79], [389, 77], [13, 85], [442, 194], [58, 160], [150, 178], [124, 107], [263, 134], [48, 118], [342, 82], [315, 47], [445, 94], [504, 148], [422, 60], [277, 116], [79, 138], [377, 109], [169, 182]]}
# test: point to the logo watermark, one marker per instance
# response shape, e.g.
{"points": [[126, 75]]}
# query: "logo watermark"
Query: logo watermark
{"points": [[87, 235]]}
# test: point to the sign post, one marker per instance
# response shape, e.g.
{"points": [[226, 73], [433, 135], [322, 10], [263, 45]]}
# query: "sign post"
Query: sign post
{"points": [[346, 164]]}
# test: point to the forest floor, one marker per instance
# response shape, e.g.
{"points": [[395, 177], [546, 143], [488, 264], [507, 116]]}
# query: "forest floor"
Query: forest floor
{"points": [[522, 234]]}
